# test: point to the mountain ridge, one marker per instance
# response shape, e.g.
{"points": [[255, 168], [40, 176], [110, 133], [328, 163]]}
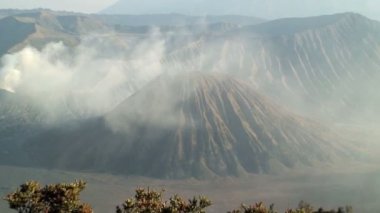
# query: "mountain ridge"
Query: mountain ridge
{"points": [[325, 70], [322, 69], [215, 126], [295, 25], [268, 9]]}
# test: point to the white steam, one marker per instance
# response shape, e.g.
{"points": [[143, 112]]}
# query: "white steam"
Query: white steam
{"points": [[86, 80]]}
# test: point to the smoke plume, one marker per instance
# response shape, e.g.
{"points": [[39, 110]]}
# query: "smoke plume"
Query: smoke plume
{"points": [[85, 80]]}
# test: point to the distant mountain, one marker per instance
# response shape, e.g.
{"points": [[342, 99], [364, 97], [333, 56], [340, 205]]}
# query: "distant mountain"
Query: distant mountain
{"points": [[268, 9], [39, 27], [291, 26], [190, 126], [176, 20], [12, 12], [14, 32], [200, 7], [332, 61], [320, 65]]}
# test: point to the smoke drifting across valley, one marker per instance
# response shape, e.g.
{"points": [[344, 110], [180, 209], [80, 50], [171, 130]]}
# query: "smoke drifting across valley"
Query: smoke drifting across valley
{"points": [[289, 60], [116, 86], [259, 106]]}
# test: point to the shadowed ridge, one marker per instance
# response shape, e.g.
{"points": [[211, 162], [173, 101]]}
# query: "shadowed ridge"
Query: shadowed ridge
{"points": [[70, 23], [13, 32], [39, 27]]}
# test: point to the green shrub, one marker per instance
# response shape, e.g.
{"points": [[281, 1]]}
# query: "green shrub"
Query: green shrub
{"points": [[147, 201], [303, 207], [256, 208], [64, 198], [56, 198]]}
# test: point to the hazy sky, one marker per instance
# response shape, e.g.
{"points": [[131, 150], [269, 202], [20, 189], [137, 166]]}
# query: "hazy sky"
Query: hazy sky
{"points": [[261, 8], [269, 9], [87, 6]]}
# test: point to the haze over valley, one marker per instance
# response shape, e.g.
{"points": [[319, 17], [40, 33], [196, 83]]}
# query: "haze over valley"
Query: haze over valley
{"points": [[274, 109]]}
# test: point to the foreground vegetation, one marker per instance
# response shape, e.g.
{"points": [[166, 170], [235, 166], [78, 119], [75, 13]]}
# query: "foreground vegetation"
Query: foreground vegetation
{"points": [[30, 197]]}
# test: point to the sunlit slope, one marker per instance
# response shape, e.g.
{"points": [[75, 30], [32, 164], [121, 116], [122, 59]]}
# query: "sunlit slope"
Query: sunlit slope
{"points": [[190, 126]]}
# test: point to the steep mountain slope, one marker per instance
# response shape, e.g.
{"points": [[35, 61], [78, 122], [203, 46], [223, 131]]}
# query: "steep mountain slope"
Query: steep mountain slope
{"points": [[203, 126], [323, 65], [317, 56], [190, 126], [335, 64]]}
